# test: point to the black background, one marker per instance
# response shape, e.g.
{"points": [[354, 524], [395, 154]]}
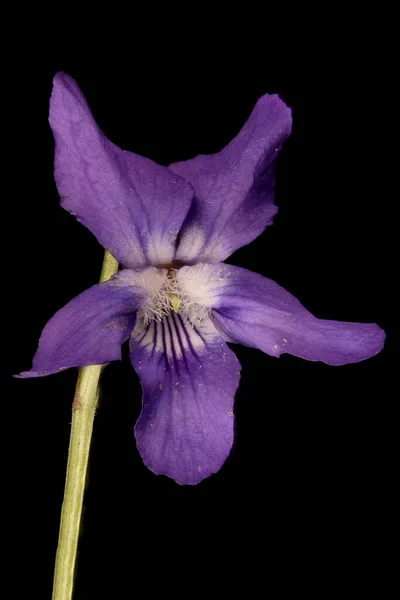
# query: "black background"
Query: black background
{"points": [[310, 479]]}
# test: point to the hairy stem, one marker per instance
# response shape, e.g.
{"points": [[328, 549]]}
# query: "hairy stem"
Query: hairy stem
{"points": [[83, 411]]}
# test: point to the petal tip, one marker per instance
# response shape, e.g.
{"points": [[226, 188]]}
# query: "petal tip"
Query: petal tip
{"points": [[380, 337], [192, 478], [61, 79], [273, 102], [28, 375]]}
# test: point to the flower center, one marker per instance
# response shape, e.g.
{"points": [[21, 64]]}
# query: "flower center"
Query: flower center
{"points": [[184, 292]]}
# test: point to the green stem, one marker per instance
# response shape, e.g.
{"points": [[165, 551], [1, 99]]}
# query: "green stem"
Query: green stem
{"points": [[83, 411]]}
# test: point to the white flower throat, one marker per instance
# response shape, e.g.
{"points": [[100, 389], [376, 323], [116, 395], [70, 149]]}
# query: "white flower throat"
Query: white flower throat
{"points": [[186, 292]]}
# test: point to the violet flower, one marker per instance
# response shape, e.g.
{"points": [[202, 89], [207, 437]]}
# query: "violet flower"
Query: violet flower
{"points": [[176, 301]]}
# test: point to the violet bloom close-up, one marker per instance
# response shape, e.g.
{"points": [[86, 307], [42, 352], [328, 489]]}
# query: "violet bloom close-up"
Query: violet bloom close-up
{"points": [[174, 298]]}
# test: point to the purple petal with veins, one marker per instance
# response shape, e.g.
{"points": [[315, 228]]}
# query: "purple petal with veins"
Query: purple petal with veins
{"points": [[189, 378], [254, 311], [91, 328], [234, 188], [133, 206]]}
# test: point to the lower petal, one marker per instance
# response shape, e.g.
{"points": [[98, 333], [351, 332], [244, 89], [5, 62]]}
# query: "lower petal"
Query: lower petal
{"points": [[189, 378]]}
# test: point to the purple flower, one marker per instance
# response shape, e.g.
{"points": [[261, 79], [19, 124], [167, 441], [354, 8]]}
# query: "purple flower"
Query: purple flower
{"points": [[176, 301]]}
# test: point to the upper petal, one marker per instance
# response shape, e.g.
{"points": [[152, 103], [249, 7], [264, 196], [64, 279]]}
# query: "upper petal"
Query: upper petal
{"points": [[234, 188], [90, 329], [133, 206], [252, 310], [189, 378]]}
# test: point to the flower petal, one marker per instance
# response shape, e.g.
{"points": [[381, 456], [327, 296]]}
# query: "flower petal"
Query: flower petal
{"points": [[252, 310], [234, 188], [133, 206], [90, 329], [189, 378]]}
